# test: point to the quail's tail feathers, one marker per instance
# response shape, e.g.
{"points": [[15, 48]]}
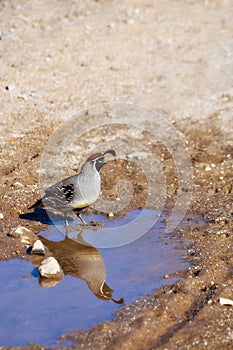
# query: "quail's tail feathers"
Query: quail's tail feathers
{"points": [[38, 204]]}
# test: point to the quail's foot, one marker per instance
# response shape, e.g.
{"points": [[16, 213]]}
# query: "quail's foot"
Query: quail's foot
{"points": [[96, 224]]}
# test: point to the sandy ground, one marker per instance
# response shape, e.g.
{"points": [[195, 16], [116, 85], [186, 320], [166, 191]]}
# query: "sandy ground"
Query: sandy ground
{"points": [[61, 57]]}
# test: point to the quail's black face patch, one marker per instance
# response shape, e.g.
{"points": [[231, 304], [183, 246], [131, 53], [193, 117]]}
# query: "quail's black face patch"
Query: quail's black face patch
{"points": [[99, 162]]}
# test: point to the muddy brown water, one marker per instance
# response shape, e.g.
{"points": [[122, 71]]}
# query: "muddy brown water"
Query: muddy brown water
{"points": [[38, 311]]}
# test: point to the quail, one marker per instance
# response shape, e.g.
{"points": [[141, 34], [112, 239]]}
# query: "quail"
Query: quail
{"points": [[76, 192], [81, 260]]}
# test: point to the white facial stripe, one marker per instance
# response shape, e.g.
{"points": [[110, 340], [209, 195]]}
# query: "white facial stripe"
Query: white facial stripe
{"points": [[94, 160]]}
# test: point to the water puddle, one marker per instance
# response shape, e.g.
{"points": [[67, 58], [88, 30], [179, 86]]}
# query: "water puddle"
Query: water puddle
{"points": [[34, 310]]}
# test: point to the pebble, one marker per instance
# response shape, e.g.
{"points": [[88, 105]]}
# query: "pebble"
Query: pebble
{"points": [[18, 184], [111, 214], [138, 155], [50, 268], [22, 97], [225, 301], [22, 233], [222, 232], [38, 248], [1, 216]]}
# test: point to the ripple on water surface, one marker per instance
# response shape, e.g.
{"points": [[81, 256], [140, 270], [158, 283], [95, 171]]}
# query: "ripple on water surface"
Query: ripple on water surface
{"points": [[95, 279]]}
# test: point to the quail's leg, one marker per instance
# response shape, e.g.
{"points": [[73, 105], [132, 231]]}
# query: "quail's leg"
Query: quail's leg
{"points": [[81, 218], [66, 224], [66, 221]]}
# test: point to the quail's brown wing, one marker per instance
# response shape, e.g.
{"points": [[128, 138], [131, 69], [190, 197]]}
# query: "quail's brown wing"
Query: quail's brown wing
{"points": [[60, 194]]}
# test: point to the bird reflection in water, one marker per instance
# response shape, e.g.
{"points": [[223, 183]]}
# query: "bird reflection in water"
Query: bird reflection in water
{"points": [[83, 261]]}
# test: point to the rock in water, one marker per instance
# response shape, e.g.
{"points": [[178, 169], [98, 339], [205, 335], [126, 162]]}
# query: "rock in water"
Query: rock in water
{"points": [[48, 282], [50, 268], [38, 248]]}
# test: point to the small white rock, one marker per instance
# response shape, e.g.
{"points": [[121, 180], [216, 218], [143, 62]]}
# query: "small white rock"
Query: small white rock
{"points": [[138, 155], [208, 168], [22, 233], [18, 184], [38, 248], [50, 268], [18, 231], [22, 97], [111, 214], [1, 216], [225, 301]]}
